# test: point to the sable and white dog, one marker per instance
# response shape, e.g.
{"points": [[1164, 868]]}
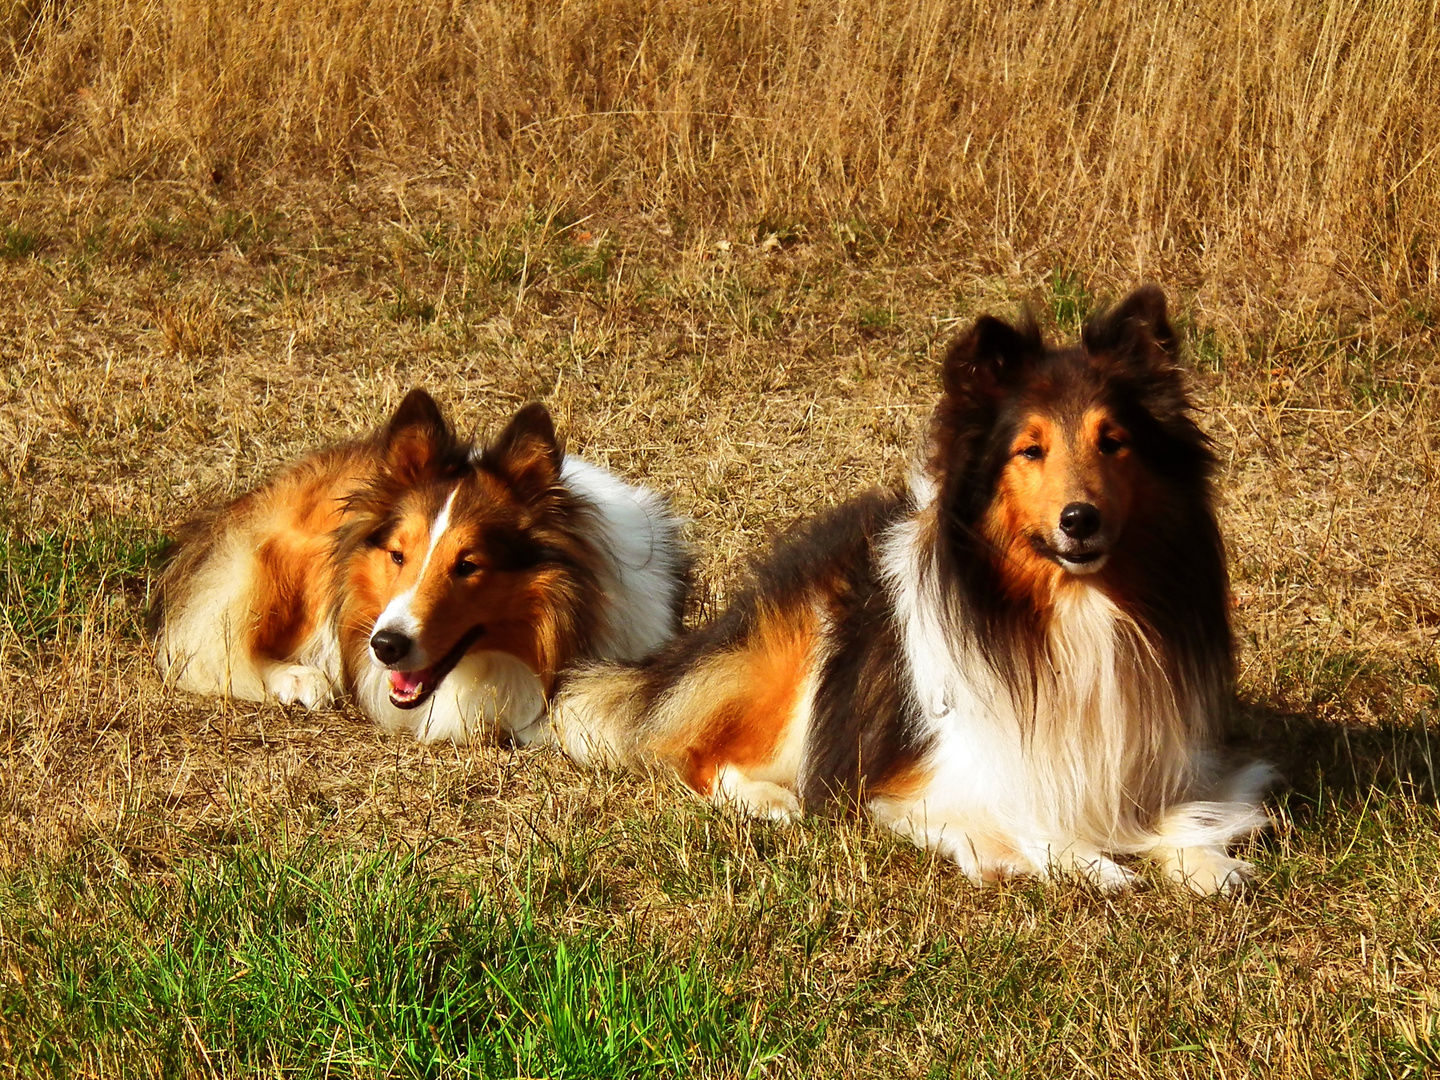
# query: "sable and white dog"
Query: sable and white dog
{"points": [[1020, 662], [446, 588]]}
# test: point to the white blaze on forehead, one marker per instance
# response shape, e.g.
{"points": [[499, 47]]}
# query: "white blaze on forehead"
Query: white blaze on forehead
{"points": [[397, 616], [437, 530]]}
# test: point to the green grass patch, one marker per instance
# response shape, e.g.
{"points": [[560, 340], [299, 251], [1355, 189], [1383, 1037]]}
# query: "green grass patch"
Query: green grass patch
{"points": [[587, 265], [17, 242], [1070, 302], [328, 963], [826, 950], [873, 321], [55, 579]]}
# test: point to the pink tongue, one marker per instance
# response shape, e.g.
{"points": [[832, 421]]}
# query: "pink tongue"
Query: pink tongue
{"points": [[407, 682]]}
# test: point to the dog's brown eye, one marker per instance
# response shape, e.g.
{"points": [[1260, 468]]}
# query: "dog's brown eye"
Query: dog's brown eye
{"points": [[465, 568], [1030, 453], [1109, 444], [398, 558]]}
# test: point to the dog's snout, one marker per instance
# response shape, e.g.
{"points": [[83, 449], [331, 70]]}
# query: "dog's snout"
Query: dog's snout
{"points": [[390, 646], [1080, 520]]}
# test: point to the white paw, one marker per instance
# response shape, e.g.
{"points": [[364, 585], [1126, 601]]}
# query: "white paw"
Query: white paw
{"points": [[539, 732], [1205, 872], [1105, 874], [298, 684], [756, 798], [1228, 878], [781, 806], [1092, 868]]}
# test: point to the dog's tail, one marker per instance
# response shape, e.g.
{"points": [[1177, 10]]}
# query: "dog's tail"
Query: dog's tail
{"points": [[600, 713], [662, 708], [1234, 811]]}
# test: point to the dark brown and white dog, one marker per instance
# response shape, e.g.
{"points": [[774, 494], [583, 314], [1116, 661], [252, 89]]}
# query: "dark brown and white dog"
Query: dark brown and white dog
{"points": [[1021, 662], [446, 588]]}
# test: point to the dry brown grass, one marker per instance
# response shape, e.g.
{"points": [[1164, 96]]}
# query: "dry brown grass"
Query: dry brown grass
{"points": [[754, 387], [724, 246], [1273, 150]]}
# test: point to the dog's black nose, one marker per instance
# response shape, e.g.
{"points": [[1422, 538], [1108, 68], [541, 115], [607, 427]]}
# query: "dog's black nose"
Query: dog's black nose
{"points": [[390, 646], [1080, 521]]}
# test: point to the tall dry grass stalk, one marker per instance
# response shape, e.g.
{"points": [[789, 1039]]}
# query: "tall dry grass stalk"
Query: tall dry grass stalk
{"points": [[1281, 148]]}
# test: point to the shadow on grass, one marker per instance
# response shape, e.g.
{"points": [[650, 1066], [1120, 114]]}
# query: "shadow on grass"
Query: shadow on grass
{"points": [[1317, 756]]}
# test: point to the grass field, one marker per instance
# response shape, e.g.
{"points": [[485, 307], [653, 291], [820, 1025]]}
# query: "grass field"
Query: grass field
{"points": [[725, 246]]}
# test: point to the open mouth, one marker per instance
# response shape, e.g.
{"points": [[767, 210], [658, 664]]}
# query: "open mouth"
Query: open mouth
{"points": [[411, 689], [1068, 559]]}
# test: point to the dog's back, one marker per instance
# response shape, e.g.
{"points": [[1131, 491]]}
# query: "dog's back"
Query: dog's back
{"points": [[244, 592], [1019, 663]]}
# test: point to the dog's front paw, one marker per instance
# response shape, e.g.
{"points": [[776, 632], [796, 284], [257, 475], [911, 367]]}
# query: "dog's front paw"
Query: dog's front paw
{"points": [[755, 798], [298, 684], [1105, 874]]}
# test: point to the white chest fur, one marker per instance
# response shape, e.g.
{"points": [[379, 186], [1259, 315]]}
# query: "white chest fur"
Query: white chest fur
{"points": [[1089, 753]]}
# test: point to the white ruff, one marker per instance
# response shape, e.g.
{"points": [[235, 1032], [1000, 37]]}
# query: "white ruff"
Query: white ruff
{"points": [[1100, 762], [639, 539]]}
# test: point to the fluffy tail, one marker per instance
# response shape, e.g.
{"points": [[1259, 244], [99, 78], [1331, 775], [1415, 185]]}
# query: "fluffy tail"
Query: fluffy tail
{"points": [[1234, 812], [597, 717]]}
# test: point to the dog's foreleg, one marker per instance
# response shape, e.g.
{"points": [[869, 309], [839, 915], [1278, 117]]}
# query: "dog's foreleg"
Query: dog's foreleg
{"points": [[298, 684]]}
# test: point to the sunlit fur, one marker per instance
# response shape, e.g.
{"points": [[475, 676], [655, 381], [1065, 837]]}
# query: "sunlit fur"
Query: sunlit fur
{"points": [[1020, 662], [501, 567]]}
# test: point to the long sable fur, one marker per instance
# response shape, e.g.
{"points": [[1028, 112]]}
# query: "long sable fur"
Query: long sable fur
{"points": [[1149, 633]]}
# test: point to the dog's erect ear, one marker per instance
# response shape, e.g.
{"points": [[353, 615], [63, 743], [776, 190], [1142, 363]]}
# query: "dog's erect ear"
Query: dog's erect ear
{"points": [[1136, 329], [417, 436], [988, 356], [526, 455], [980, 367], [1135, 337], [417, 413]]}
